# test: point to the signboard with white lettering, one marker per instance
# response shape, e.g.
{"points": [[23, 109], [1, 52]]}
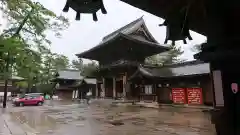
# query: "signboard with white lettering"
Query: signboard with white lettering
{"points": [[194, 96], [178, 95]]}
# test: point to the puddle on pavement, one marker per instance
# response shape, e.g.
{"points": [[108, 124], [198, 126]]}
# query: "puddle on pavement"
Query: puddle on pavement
{"points": [[195, 120], [35, 120], [58, 102], [81, 118], [116, 123], [74, 119], [138, 121]]}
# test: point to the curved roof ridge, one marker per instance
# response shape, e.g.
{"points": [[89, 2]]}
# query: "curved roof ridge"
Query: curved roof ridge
{"points": [[120, 30], [150, 34]]}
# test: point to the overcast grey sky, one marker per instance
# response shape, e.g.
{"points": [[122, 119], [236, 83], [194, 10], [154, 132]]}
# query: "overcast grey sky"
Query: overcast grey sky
{"points": [[85, 34]]}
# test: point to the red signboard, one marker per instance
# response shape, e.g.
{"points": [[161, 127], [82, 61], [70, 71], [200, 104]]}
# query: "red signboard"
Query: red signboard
{"points": [[178, 95], [194, 95]]}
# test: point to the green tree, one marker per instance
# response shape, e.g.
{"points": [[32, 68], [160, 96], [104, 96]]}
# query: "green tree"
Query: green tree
{"points": [[169, 57], [78, 64], [22, 84], [60, 62], [87, 69], [10, 49], [52, 63], [39, 19], [29, 67], [173, 55], [28, 22], [197, 48]]}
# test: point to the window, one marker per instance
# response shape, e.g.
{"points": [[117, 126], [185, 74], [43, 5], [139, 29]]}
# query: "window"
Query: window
{"points": [[148, 89]]}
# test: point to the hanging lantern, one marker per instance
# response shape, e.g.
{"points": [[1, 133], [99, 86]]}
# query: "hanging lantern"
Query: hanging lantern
{"points": [[177, 27], [85, 6]]}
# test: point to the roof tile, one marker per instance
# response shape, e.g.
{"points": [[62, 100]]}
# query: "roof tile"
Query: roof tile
{"points": [[69, 74]]}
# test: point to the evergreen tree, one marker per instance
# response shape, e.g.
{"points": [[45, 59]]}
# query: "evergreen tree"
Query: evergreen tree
{"points": [[197, 48], [169, 57], [87, 69]]}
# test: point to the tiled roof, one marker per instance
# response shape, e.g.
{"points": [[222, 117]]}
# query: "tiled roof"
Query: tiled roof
{"points": [[16, 78], [13, 77], [130, 28], [120, 63], [183, 69], [69, 74], [128, 32], [85, 80], [90, 80]]}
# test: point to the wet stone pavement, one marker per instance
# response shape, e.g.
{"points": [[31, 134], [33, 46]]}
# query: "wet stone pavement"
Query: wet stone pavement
{"points": [[101, 118]]}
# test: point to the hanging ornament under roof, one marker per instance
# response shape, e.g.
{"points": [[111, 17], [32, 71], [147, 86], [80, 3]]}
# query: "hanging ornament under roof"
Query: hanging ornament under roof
{"points": [[85, 6], [177, 26]]}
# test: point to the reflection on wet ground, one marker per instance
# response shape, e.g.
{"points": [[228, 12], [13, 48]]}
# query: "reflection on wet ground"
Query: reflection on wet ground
{"points": [[35, 120], [108, 120]]}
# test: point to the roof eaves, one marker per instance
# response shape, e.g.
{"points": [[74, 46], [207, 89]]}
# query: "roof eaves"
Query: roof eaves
{"points": [[17, 78], [145, 42], [69, 78], [101, 44], [150, 34], [145, 72], [90, 81]]}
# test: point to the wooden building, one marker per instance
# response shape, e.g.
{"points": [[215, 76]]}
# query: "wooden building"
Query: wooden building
{"points": [[123, 74], [84, 86], [71, 85], [12, 88], [119, 55], [219, 21], [183, 83], [65, 80]]}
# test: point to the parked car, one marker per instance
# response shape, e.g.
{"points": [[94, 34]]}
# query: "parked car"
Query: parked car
{"points": [[35, 94], [28, 100]]}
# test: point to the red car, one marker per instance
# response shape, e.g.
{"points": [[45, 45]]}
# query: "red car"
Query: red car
{"points": [[29, 100]]}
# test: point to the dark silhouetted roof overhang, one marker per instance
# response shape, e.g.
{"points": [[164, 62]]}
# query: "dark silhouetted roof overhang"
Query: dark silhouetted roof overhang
{"points": [[162, 8]]}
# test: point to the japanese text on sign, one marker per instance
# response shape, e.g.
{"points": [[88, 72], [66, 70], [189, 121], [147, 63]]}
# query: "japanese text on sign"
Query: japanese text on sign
{"points": [[194, 95], [178, 95]]}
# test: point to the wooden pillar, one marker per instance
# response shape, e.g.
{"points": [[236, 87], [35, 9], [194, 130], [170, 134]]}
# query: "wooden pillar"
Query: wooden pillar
{"points": [[76, 94], [155, 92], [73, 94], [103, 87], [96, 92], [124, 86], [114, 87]]}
